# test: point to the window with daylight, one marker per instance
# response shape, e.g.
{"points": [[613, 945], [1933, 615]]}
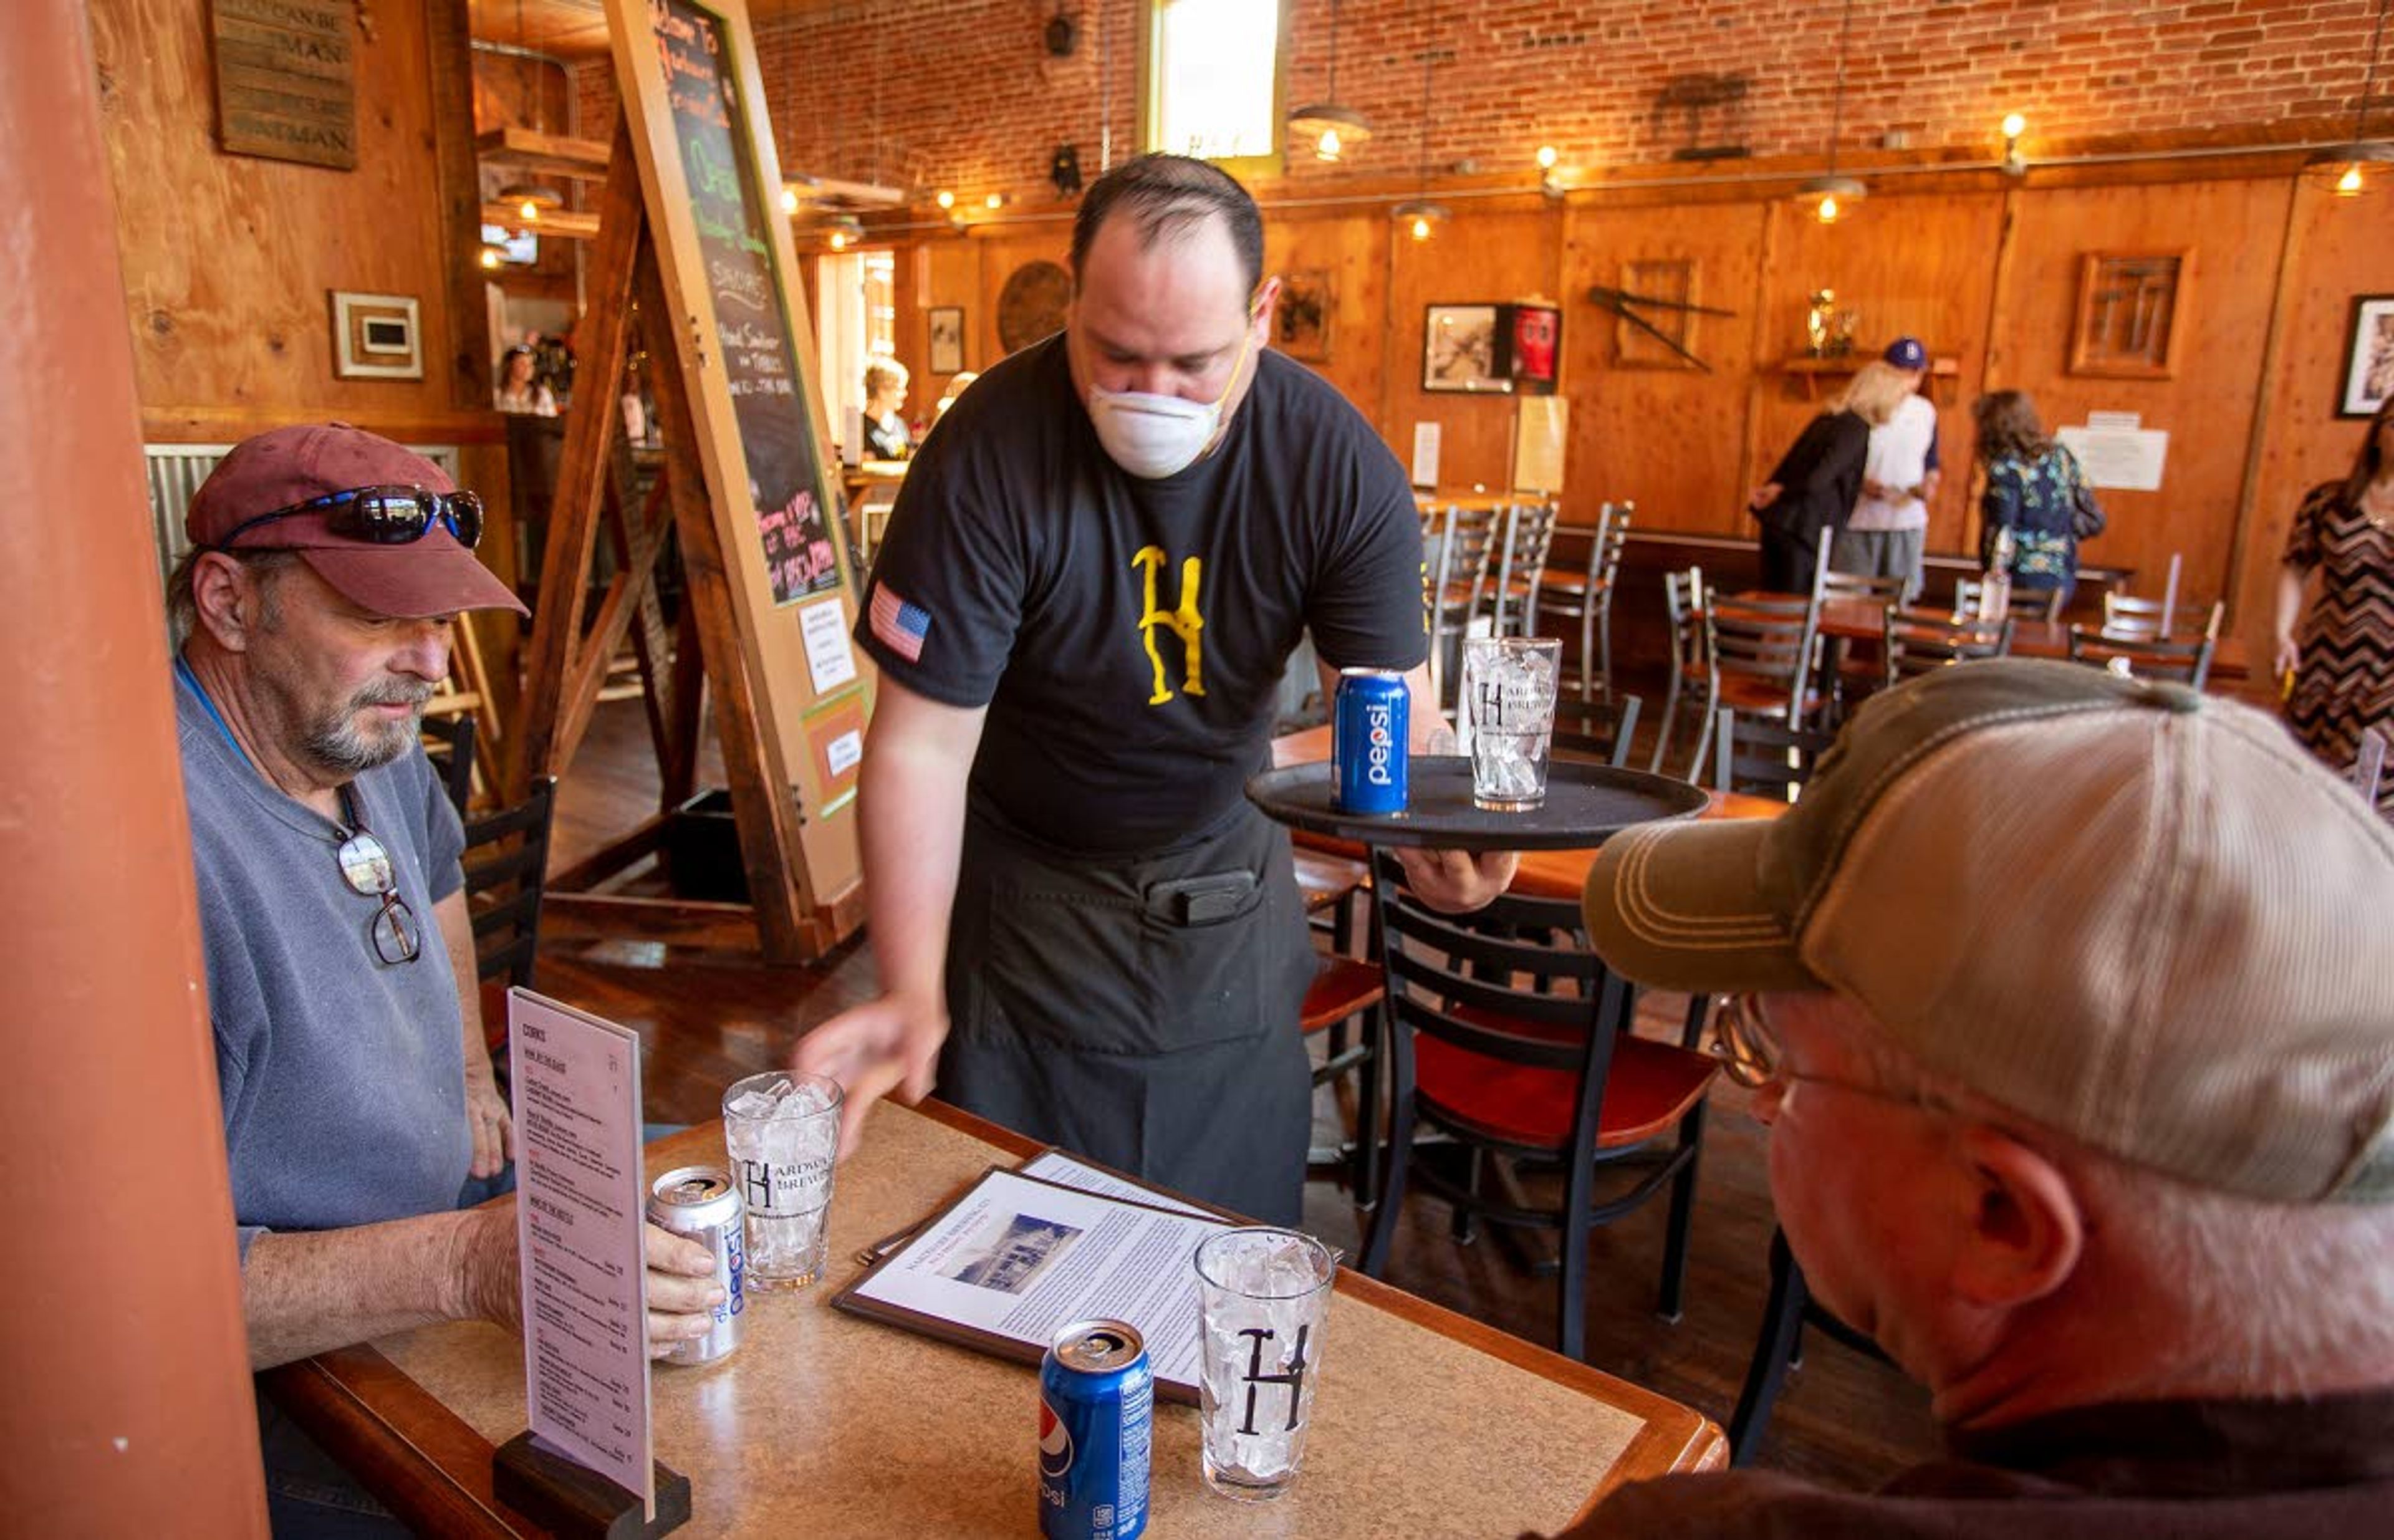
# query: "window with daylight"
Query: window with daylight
{"points": [[1213, 79]]}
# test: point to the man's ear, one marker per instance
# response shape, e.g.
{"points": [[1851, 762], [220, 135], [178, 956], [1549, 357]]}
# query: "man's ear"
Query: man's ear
{"points": [[2027, 1229], [1267, 300], [225, 598]]}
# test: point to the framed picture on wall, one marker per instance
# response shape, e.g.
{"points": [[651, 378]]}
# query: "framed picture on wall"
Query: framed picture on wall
{"points": [[375, 336], [1459, 349], [2368, 357], [947, 339], [2131, 314], [1301, 323]]}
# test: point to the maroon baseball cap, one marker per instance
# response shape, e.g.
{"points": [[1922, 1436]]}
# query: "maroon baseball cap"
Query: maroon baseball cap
{"points": [[434, 575]]}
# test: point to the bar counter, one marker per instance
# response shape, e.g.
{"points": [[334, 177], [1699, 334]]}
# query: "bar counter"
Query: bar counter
{"points": [[825, 1423]]}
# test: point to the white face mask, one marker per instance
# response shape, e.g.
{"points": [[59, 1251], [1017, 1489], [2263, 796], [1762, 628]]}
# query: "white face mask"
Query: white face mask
{"points": [[1153, 437]]}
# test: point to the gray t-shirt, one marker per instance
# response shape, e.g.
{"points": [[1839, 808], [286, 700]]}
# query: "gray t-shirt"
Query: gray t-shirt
{"points": [[343, 1077]]}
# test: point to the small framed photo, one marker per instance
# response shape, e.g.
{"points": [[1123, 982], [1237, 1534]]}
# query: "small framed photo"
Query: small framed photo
{"points": [[1301, 323], [947, 339], [1459, 351], [2369, 357], [376, 337]]}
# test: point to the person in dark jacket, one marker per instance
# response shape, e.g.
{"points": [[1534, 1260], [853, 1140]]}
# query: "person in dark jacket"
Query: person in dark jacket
{"points": [[1812, 492]]}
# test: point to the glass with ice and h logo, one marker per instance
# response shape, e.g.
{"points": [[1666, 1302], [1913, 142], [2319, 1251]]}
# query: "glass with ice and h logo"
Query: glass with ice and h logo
{"points": [[1263, 1299]]}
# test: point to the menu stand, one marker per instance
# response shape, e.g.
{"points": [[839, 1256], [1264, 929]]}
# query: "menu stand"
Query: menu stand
{"points": [[576, 1503]]}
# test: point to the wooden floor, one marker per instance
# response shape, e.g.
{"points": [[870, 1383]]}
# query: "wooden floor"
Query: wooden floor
{"points": [[708, 1018]]}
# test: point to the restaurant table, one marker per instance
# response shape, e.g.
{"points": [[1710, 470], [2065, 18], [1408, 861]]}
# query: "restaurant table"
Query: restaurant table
{"points": [[1545, 873], [822, 1423]]}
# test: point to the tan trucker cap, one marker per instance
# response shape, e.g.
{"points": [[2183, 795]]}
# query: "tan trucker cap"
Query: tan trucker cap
{"points": [[2134, 914]]}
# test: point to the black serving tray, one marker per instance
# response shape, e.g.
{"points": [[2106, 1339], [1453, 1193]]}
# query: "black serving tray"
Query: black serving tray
{"points": [[1584, 803]]}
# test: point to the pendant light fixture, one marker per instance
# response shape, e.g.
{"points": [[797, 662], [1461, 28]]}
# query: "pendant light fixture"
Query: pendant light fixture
{"points": [[530, 199], [1830, 196], [1418, 215], [2346, 167], [1331, 128]]}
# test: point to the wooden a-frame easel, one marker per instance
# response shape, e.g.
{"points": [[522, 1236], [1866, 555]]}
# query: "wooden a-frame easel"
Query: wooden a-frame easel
{"points": [[786, 916]]}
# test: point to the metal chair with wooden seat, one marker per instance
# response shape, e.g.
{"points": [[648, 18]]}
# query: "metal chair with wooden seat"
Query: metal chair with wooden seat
{"points": [[1345, 987], [1843, 676], [2128, 618], [1920, 641], [1779, 1347], [1766, 758], [2151, 658], [1597, 731], [1458, 585], [1759, 656], [1549, 1078], [2037, 605], [1683, 605], [507, 873], [1528, 542], [1585, 594], [449, 745]]}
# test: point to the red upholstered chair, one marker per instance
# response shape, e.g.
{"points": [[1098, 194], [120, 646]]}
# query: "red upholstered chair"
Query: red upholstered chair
{"points": [[1510, 1038]]}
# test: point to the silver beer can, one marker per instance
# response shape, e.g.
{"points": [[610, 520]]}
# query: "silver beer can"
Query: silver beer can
{"points": [[699, 1201]]}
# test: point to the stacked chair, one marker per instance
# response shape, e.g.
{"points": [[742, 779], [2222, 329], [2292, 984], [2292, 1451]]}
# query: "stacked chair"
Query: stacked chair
{"points": [[1586, 596]]}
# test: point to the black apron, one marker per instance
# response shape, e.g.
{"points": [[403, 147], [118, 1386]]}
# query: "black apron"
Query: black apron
{"points": [[1139, 1010]]}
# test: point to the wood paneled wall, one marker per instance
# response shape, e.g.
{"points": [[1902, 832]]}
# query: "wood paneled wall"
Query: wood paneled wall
{"points": [[230, 260], [1987, 274]]}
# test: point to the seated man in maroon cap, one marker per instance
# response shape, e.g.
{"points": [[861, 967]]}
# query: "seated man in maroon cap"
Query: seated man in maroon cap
{"points": [[2094, 1133], [312, 616]]}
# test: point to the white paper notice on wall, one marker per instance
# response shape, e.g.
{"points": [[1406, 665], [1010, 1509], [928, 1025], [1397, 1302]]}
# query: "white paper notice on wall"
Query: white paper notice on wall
{"points": [[1426, 455], [830, 662], [841, 753], [2127, 458]]}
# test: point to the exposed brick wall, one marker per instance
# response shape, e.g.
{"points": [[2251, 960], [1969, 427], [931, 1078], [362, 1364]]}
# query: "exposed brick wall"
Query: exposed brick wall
{"points": [[962, 93]]}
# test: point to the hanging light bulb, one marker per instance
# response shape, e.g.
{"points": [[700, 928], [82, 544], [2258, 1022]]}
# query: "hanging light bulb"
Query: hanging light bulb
{"points": [[491, 257], [1418, 215], [1833, 196], [944, 198], [994, 201], [789, 199], [1333, 128], [2346, 166], [1547, 157], [843, 233], [2014, 125]]}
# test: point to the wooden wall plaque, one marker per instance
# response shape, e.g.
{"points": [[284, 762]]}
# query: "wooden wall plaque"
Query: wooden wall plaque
{"points": [[286, 80]]}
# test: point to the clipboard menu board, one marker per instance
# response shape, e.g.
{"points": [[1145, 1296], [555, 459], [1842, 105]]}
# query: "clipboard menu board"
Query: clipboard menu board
{"points": [[711, 182]]}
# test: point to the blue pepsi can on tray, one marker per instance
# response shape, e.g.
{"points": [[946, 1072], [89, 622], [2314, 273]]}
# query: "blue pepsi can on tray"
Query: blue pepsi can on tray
{"points": [[1368, 735], [1097, 1412]]}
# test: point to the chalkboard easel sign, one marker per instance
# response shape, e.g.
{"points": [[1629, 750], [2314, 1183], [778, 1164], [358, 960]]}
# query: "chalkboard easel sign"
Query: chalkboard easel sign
{"points": [[710, 184]]}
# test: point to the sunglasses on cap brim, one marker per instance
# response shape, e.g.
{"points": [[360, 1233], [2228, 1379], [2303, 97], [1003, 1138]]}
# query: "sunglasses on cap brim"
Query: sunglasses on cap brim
{"points": [[381, 516]]}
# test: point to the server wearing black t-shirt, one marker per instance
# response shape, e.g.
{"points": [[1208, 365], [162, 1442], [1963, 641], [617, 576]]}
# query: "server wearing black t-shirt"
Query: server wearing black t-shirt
{"points": [[1099, 565]]}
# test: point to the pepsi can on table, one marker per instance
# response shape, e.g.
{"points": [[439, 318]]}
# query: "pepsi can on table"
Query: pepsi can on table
{"points": [[1097, 1411], [1367, 736], [699, 1203]]}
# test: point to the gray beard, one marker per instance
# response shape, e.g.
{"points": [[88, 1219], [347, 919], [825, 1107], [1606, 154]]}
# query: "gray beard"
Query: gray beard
{"points": [[337, 743]]}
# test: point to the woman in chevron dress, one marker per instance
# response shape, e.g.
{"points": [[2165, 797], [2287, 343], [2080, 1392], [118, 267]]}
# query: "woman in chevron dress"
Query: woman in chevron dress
{"points": [[2342, 657]]}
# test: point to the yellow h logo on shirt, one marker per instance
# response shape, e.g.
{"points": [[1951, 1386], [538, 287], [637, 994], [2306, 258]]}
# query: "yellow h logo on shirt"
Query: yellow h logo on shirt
{"points": [[1184, 623]]}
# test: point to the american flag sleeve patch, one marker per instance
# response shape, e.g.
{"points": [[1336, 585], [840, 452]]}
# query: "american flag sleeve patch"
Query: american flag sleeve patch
{"points": [[901, 626]]}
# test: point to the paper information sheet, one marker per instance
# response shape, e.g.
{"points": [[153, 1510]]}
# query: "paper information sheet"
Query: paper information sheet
{"points": [[2129, 460], [580, 1201], [1017, 1258], [823, 627]]}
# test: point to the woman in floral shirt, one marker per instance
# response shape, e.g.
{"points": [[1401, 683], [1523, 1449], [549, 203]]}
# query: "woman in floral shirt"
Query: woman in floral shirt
{"points": [[2035, 490]]}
